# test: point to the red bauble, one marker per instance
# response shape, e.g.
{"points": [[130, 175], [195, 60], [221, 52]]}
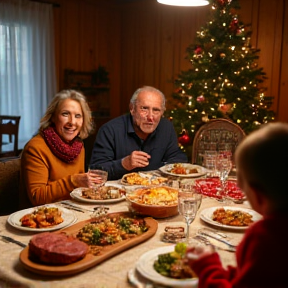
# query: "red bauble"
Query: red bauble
{"points": [[200, 98], [198, 50], [234, 25], [184, 139], [221, 2]]}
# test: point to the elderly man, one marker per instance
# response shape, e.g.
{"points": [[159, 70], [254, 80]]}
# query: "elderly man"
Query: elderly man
{"points": [[140, 141]]}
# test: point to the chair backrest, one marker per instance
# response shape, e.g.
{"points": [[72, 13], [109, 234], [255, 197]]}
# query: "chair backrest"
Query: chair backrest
{"points": [[9, 185], [217, 134], [9, 125]]}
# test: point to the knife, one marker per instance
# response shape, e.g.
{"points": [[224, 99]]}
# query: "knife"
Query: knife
{"points": [[66, 202], [67, 206], [9, 239]]}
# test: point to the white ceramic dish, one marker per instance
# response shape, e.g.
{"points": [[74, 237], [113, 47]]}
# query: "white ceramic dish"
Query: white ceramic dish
{"points": [[68, 216], [77, 195], [145, 266], [167, 170], [206, 216]]}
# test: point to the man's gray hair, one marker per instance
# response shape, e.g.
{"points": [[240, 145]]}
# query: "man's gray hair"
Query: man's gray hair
{"points": [[134, 97]]}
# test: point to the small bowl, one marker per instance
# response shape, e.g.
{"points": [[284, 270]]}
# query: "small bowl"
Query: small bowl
{"points": [[153, 210]]}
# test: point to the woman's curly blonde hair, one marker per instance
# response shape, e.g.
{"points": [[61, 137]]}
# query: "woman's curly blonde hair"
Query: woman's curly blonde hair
{"points": [[87, 126]]}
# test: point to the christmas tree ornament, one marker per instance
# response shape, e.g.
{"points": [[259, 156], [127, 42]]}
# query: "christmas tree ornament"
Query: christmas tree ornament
{"points": [[200, 98], [234, 25], [224, 107], [198, 50], [221, 3], [184, 139]]}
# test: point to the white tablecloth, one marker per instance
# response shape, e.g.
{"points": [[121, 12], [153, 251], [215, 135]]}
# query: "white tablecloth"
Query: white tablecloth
{"points": [[109, 274]]}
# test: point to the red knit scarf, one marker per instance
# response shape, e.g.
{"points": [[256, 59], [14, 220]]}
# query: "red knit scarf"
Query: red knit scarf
{"points": [[66, 152]]}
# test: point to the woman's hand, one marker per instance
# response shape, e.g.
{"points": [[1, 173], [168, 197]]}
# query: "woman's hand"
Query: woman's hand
{"points": [[81, 180]]}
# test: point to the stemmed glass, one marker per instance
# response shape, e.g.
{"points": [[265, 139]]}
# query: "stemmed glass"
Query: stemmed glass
{"points": [[223, 166], [189, 201], [209, 162]]}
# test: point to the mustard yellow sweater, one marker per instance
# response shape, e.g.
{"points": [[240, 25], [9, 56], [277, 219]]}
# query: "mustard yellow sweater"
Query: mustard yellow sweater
{"points": [[44, 177]]}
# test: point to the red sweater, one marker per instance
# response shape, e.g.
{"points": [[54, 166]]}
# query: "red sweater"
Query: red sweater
{"points": [[261, 259]]}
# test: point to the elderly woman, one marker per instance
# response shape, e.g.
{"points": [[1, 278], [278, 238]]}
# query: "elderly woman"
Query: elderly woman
{"points": [[52, 162]]}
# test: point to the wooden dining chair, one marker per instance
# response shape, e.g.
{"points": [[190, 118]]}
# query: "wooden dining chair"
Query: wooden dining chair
{"points": [[9, 185], [217, 135], [9, 125]]}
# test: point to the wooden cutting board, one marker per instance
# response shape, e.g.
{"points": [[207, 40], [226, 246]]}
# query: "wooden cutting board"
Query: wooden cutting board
{"points": [[89, 260]]}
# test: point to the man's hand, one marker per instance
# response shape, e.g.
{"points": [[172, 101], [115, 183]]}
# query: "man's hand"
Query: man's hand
{"points": [[136, 159]]}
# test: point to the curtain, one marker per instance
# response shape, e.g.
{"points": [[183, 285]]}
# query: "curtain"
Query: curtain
{"points": [[27, 62]]}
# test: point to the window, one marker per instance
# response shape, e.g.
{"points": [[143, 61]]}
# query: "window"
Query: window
{"points": [[27, 65]]}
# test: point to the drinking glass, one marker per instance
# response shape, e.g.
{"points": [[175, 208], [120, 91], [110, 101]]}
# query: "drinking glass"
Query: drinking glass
{"points": [[209, 162], [98, 177], [223, 166], [189, 201]]}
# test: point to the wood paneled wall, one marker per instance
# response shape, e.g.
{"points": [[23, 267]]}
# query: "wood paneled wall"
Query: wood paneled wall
{"points": [[144, 43]]}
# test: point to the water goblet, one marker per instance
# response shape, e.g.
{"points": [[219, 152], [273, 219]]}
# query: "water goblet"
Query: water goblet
{"points": [[189, 201], [98, 178], [209, 162], [224, 166]]}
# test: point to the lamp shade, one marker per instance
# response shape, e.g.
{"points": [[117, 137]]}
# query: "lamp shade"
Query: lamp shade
{"points": [[184, 2]]}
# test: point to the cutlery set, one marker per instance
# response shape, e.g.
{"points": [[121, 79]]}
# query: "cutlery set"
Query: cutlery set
{"points": [[205, 234], [205, 240]]}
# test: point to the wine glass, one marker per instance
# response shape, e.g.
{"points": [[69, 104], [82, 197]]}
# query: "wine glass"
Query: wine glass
{"points": [[223, 166], [209, 162], [189, 201], [98, 177]]}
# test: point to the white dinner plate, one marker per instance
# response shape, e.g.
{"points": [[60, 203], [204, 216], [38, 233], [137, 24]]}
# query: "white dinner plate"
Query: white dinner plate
{"points": [[77, 195], [206, 216], [168, 167], [145, 266], [68, 216]]}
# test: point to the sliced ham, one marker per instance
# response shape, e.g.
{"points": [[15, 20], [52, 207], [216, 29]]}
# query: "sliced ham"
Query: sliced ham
{"points": [[56, 248]]}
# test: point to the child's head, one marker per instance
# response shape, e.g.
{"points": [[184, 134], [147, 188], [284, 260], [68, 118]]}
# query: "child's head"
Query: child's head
{"points": [[262, 164]]}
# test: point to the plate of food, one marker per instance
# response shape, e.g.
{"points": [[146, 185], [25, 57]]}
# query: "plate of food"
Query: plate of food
{"points": [[143, 179], [211, 187], [149, 262], [183, 170], [230, 217], [104, 194], [95, 240], [42, 218]]}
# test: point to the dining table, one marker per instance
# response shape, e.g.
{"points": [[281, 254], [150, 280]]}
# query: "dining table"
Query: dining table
{"points": [[111, 273]]}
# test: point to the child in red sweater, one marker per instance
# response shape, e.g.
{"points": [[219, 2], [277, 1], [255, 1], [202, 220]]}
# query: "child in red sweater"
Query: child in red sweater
{"points": [[262, 256]]}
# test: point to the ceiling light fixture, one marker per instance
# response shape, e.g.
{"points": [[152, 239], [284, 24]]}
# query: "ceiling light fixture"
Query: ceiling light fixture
{"points": [[184, 2]]}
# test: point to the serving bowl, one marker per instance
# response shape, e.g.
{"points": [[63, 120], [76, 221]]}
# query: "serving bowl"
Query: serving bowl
{"points": [[156, 201]]}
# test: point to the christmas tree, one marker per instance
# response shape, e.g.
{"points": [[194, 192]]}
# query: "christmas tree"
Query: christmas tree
{"points": [[224, 80]]}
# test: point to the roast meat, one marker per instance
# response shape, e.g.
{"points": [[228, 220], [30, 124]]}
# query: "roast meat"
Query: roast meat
{"points": [[56, 248]]}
